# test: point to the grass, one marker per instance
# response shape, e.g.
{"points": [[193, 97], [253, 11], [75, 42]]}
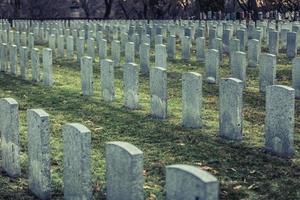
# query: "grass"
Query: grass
{"points": [[244, 169]]}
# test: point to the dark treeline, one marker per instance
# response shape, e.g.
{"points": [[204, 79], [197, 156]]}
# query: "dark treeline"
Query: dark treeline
{"points": [[135, 9]]}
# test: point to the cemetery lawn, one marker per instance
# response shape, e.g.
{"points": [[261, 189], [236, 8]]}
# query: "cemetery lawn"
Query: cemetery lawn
{"points": [[243, 169]]}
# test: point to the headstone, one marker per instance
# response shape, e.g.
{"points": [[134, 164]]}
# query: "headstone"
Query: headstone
{"points": [[10, 148], [231, 106], [116, 52], [61, 46], [291, 50], [160, 56], [238, 65], [200, 49], [107, 80], [253, 52], [24, 62], [280, 111], [267, 71], [129, 52], [273, 42], [212, 63], [192, 100], [131, 85], [158, 92], [189, 182], [241, 35], [172, 47], [77, 162], [103, 49], [70, 47], [124, 171], [13, 53], [80, 48], [296, 76], [186, 48], [91, 48], [144, 58], [48, 68], [35, 64], [87, 76], [39, 153]]}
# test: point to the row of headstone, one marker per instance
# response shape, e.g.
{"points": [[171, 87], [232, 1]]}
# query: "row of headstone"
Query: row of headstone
{"points": [[231, 92], [12, 64], [124, 162]]}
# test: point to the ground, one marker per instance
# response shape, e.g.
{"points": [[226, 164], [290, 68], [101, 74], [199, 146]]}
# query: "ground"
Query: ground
{"points": [[244, 169]]}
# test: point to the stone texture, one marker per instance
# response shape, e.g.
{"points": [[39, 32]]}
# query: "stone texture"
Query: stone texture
{"points": [[38, 124], [48, 68], [212, 63], [231, 106], [186, 48], [77, 162], [189, 182], [13, 53], [296, 76], [129, 52], [192, 100], [10, 148], [160, 56], [254, 52], [124, 171], [116, 52], [144, 58], [279, 124], [35, 64], [107, 80], [238, 65], [91, 48], [24, 62], [273, 42], [291, 50], [131, 85], [267, 71], [86, 71], [200, 49], [70, 47], [158, 92], [61, 46], [171, 47], [103, 49]]}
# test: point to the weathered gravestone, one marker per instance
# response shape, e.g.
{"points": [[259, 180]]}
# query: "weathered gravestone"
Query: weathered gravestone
{"points": [[279, 123], [254, 52], [129, 52], [131, 85], [116, 52], [107, 80], [124, 171], [231, 105], [39, 153], [77, 162], [296, 76], [86, 70], [160, 56], [171, 47], [144, 58], [10, 148], [291, 49], [24, 62], [267, 71], [35, 64], [238, 65], [192, 100], [212, 63], [70, 47], [13, 53], [189, 182], [200, 49], [158, 92], [48, 68]]}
